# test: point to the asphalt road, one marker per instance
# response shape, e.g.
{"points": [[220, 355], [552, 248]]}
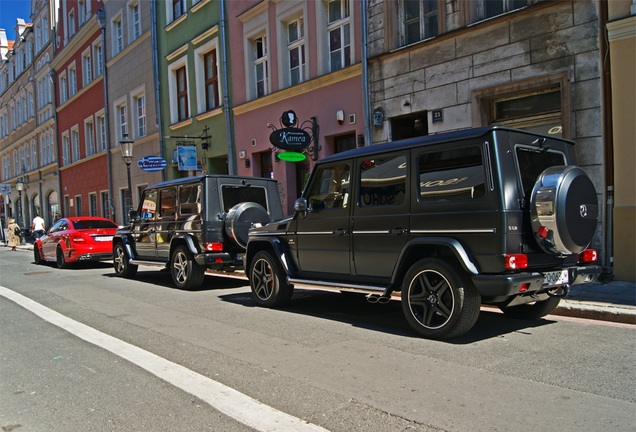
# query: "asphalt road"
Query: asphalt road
{"points": [[330, 360]]}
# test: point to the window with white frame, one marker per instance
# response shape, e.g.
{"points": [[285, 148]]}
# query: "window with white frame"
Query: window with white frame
{"points": [[296, 50], [419, 20], [139, 100], [66, 149], [71, 22], [34, 155], [134, 20], [339, 34], [16, 165], [101, 131], [182, 93], [105, 204], [72, 80], [6, 168], [45, 28], [206, 70], [78, 206], [117, 35], [177, 9], [261, 68], [87, 75], [97, 56], [63, 90], [81, 12], [38, 36], [30, 103], [13, 118], [121, 118], [75, 143], [89, 136]]}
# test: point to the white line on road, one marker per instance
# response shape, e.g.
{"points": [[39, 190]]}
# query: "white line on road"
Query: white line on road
{"points": [[230, 402]]}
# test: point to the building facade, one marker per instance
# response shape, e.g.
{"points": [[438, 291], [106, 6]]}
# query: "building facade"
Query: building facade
{"points": [[195, 120], [443, 65], [298, 55], [621, 32], [79, 94], [130, 83]]}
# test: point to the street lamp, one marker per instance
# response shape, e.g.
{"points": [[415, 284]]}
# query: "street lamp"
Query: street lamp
{"points": [[19, 185], [126, 146]]}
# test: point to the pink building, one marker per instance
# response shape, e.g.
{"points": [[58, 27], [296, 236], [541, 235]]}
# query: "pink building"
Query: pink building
{"points": [[303, 56]]}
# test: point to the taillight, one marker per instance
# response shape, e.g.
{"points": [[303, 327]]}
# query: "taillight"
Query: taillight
{"points": [[518, 261], [77, 238], [214, 247], [588, 255]]}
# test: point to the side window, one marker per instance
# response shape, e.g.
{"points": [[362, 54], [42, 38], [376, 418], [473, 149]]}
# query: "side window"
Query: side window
{"points": [[189, 199], [331, 188], [168, 203], [452, 175], [383, 181], [149, 205], [56, 227]]}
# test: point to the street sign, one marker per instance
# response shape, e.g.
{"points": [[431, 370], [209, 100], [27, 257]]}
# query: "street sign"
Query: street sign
{"points": [[151, 163]]}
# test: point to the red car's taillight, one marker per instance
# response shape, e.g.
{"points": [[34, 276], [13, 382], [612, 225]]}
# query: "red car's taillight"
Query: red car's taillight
{"points": [[77, 238]]}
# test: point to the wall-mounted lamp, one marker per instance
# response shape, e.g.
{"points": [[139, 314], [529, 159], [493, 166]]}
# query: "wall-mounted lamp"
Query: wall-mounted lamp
{"points": [[340, 116]]}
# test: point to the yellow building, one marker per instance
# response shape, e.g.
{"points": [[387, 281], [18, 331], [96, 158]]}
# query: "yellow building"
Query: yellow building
{"points": [[621, 32]]}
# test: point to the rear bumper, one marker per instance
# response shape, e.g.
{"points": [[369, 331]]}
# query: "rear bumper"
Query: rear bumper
{"points": [[103, 256], [220, 260], [499, 287]]}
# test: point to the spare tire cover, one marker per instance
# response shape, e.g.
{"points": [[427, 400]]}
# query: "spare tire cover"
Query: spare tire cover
{"points": [[240, 219], [564, 210]]}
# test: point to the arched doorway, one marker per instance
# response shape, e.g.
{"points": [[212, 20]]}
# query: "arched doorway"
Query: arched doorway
{"points": [[53, 209]]}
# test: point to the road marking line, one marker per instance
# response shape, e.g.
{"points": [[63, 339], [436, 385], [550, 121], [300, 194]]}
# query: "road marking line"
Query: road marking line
{"points": [[225, 399]]}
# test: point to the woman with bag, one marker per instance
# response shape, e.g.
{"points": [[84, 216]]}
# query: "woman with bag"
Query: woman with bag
{"points": [[14, 234]]}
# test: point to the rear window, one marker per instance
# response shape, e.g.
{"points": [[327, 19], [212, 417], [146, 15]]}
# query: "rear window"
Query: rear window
{"points": [[233, 195], [93, 224], [533, 161], [452, 174]]}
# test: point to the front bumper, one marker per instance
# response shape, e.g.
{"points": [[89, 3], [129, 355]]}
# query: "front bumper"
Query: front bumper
{"points": [[499, 287]]}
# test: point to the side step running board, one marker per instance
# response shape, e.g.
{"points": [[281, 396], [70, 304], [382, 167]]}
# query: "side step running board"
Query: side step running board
{"points": [[148, 263], [332, 286]]}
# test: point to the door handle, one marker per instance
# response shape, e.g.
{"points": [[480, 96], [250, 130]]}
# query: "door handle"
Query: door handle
{"points": [[341, 232], [399, 231]]}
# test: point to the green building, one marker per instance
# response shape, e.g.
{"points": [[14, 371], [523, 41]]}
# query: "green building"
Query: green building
{"points": [[195, 116]]}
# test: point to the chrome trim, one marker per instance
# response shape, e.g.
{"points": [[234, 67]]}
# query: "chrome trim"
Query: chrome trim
{"points": [[456, 231], [315, 233], [372, 232], [266, 233], [334, 286]]}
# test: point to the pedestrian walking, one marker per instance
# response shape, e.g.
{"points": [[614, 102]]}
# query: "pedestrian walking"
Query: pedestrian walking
{"points": [[37, 227], [14, 234]]}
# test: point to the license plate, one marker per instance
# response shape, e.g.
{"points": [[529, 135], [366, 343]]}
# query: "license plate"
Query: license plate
{"points": [[104, 238], [556, 278]]}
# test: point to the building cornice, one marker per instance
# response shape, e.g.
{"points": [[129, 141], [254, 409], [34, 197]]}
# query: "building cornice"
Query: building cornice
{"points": [[297, 90], [85, 33], [253, 11], [176, 53], [206, 34], [623, 28]]}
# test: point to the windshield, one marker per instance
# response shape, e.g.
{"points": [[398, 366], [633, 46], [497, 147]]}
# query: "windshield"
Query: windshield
{"points": [[533, 161], [93, 224]]}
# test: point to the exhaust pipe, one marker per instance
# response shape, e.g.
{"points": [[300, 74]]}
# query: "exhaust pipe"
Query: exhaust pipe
{"points": [[374, 298]]}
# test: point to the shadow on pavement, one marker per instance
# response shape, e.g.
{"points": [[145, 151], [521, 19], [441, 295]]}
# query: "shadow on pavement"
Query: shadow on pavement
{"points": [[388, 318]]}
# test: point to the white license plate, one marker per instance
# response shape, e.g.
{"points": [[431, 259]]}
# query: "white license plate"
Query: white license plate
{"points": [[556, 278], [104, 238]]}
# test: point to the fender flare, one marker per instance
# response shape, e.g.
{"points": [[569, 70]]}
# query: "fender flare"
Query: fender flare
{"points": [[452, 244], [188, 241], [125, 239], [256, 244]]}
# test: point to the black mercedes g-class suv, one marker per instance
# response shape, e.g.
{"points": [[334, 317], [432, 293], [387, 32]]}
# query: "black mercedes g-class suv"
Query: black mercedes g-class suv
{"points": [[485, 216], [193, 224]]}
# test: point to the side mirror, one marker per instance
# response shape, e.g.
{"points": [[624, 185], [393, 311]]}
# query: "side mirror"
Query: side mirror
{"points": [[132, 215], [300, 206]]}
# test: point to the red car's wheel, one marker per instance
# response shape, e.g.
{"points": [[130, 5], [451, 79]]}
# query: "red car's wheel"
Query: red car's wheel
{"points": [[59, 258], [37, 258]]}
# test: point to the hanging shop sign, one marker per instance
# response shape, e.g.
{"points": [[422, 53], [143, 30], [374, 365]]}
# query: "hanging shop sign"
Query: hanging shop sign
{"points": [[152, 163], [292, 156], [187, 158], [296, 139]]}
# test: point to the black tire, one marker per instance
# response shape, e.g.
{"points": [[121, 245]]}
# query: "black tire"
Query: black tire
{"points": [[59, 258], [37, 258], [186, 273], [121, 262], [532, 311], [268, 281], [439, 301]]}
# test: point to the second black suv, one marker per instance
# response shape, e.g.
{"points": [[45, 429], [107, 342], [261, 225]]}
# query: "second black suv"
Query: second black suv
{"points": [[486, 216], [193, 224]]}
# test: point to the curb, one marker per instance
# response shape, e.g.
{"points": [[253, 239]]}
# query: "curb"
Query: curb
{"points": [[602, 312]]}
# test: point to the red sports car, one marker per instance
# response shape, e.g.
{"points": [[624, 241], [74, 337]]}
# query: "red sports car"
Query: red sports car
{"points": [[76, 239]]}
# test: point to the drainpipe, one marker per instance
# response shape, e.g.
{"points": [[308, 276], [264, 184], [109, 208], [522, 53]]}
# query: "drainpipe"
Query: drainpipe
{"points": [[155, 68], [226, 96], [101, 18], [365, 71], [60, 197]]}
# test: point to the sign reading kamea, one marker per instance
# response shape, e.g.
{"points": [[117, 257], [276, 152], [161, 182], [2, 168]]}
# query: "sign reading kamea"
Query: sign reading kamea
{"points": [[290, 138]]}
